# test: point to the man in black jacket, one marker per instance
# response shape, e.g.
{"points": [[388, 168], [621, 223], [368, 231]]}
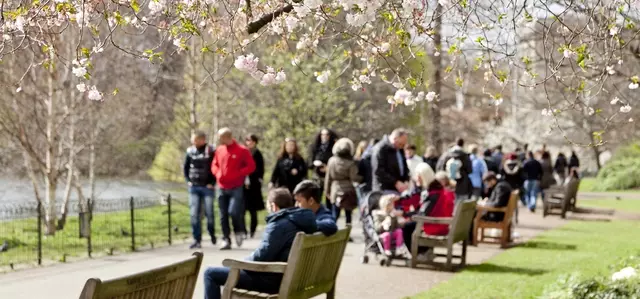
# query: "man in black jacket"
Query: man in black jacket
{"points": [[499, 198], [532, 171], [464, 187], [197, 173], [388, 164]]}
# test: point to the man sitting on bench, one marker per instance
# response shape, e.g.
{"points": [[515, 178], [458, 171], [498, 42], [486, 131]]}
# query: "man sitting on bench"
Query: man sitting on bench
{"points": [[499, 198], [282, 226]]}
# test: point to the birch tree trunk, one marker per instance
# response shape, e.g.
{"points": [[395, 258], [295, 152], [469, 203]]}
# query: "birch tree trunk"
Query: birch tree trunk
{"points": [[434, 111], [70, 110], [193, 92], [50, 175]]}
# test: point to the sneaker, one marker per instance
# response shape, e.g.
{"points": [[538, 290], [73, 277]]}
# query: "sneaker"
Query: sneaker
{"points": [[426, 257], [350, 240], [226, 245], [388, 252], [240, 237], [252, 235], [195, 245], [213, 240]]}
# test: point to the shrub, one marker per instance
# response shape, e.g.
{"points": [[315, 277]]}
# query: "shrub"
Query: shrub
{"points": [[622, 284], [622, 171]]}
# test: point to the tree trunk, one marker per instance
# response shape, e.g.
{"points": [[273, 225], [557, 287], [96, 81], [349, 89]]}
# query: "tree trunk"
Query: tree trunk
{"points": [[193, 92], [434, 111], [50, 175], [92, 160], [214, 120], [70, 109]]}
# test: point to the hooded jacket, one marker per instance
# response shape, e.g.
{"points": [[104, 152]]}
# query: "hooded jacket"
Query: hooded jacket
{"points": [[281, 230], [512, 173]]}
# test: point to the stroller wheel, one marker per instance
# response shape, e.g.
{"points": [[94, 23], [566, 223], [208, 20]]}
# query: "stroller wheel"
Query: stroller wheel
{"points": [[364, 259], [388, 264], [383, 262], [407, 262]]}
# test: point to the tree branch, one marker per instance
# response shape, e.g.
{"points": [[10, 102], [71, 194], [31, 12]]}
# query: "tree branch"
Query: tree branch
{"points": [[255, 26]]}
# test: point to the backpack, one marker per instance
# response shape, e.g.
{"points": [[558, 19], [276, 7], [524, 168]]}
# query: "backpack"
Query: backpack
{"points": [[453, 167]]}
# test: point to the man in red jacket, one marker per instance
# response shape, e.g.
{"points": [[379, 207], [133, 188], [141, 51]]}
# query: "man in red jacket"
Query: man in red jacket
{"points": [[232, 163]]}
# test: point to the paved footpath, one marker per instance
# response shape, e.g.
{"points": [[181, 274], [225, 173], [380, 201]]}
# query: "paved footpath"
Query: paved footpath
{"points": [[355, 280]]}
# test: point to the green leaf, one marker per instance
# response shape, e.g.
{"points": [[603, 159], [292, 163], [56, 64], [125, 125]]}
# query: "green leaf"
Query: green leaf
{"points": [[412, 82], [459, 81], [135, 6], [115, 91], [86, 52]]}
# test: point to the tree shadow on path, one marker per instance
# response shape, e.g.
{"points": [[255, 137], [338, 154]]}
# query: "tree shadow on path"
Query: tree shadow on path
{"points": [[493, 268], [547, 245]]}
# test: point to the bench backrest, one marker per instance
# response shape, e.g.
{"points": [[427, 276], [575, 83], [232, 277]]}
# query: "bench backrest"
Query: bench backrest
{"points": [[175, 281], [461, 224], [511, 207], [313, 264]]}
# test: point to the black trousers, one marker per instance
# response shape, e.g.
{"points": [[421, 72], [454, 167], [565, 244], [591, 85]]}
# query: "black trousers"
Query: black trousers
{"points": [[254, 221], [407, 231]]}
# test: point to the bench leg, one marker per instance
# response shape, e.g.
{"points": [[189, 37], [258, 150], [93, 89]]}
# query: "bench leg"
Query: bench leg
{"points": [[332, 294], [449, 257], [463, 257]]}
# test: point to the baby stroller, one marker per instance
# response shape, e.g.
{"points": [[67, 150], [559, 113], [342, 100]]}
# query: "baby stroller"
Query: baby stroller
{"points": [[372, 242]]}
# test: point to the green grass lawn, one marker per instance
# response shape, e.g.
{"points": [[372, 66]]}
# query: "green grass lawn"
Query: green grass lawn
{"points": [[590, 184], [111, 233], [588, 248], [625, 205]]}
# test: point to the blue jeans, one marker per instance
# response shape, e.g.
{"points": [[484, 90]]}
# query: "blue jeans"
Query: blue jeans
{"points": [[200, 196], [231, 203], [216, 277], [531, 189]]}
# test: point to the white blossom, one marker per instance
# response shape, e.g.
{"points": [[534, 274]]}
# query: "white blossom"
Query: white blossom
{"points": [[6, 37], [614, 30], [81, 87], [610, 70], [633, 85], [94, 94], [79, 71], [402, 96], [497, 101], [437, 53], [292, 22], [444, 2], [590, 111], [625, 109], [356, 86], [630, 119], [431, 96], [295, 61], [398, 85], [280, 77], [364, 79], [156, 6], [268, 79], [245, 42], [18, 23], [247, 63], [313, 4], [547, 112], [277, 28], [620, 62], [385, 47], [19, 89], [615, 101], [97, 49], [568, 53], [323, 77], [625, 273], [301, 10]]}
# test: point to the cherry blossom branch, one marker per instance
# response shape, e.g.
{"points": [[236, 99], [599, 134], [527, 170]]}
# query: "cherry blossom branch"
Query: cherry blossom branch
{"points": [[265, 19]]}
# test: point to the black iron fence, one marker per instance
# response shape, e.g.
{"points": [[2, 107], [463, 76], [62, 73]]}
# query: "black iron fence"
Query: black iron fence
{"points": [[96, 228]]}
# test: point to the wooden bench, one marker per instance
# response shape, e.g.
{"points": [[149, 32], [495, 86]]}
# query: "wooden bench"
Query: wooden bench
{"points": [[175, 281], [459, 226], [311, 269], [560, 199], [505, 226]]}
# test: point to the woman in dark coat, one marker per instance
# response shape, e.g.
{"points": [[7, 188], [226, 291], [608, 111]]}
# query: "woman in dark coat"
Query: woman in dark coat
{"points": [[290, 168], [253, 185], [561, 166], [319, 154]]}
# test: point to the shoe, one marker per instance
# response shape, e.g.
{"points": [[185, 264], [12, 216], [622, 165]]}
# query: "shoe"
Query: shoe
{"points": [[240, 237], [426, 257], [252, 235], [533, 210], [388, 253], [350, 240], [213, 240], [226, 245], [195, 245]]}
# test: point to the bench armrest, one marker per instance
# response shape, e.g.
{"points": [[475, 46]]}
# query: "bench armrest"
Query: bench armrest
{"points": [[432, 220], [270, 267], [490, 209]]}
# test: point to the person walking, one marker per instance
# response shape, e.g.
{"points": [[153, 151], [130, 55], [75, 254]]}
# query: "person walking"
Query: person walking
{"points": [[319, 154], [478, 170], [532, 172], [574, 162], [491, 163], [388, 165], [431, 157], [231, 165], [253, 184], [498, 156], [560, 167], [201, 182], [547, 179], [457, 165], [342, 173], [512, 174], [290, 169]]}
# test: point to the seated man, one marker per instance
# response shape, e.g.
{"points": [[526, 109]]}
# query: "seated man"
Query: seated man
{"points": [[282, 226], [499, 198], [307, 195]]}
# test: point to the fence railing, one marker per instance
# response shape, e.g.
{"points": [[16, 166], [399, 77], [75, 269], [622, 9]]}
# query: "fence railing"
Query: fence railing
{"points": [[102, 227]]}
